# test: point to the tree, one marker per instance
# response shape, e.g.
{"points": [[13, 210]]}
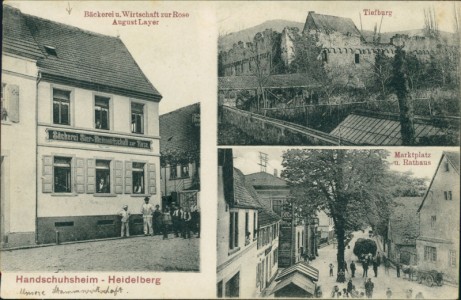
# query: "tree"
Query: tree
{"points": [[364, 246], [400, 84], [351, 186]]}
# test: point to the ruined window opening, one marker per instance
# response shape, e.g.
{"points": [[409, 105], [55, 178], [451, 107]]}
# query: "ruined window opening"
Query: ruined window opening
{"points": [[357, 58], [324, 56]]}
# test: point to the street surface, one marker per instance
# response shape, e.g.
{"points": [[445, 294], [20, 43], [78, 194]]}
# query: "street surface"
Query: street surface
{"points": [[139, 253], [398, 286]]}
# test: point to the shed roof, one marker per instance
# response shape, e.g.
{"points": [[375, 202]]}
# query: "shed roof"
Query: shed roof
{"points": [[301, 267], [298, 280], [177, 130], [403, 228], [251, 82], [98, 61], [361, 129]]}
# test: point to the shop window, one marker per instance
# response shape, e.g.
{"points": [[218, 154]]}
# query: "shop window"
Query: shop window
{"points": [[185, 171], [447, 195], [101, 112], [62, 167], [102, 176], [233, 230], [430, 253], [61, 107], [138, 178], [137, 118]]}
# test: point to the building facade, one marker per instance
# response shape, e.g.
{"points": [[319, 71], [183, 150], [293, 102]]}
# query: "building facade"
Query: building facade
{"points": [[437, 245], [92, 132]]}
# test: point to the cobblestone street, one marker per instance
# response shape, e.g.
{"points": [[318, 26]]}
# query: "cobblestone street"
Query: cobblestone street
{"points": [[398, 286], [140, 253]]}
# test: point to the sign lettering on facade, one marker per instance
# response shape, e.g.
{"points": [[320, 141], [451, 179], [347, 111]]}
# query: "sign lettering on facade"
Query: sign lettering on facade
{"points": [[67, 136]]}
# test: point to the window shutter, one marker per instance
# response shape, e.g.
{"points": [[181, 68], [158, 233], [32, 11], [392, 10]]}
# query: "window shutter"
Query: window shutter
{"points": [[90, 176], [13, 99], [118, 177], [128, 177], [152, 179], [80, 175], [47, 174]]}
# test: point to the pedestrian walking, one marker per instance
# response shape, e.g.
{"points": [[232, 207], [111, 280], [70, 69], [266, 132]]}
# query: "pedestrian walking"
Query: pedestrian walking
{"points": [[398, 269], [388, 293], [146, 210], [186, 221], [378, 259], [349, 286], [331, 269], [353, 268], [365, 268], [375, 268], [125, 214], [369, 286], [157, 220], [166, 222]]}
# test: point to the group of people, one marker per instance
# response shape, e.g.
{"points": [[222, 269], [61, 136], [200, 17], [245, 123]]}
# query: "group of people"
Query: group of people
{"points": [[177, 220], [351, 292]]}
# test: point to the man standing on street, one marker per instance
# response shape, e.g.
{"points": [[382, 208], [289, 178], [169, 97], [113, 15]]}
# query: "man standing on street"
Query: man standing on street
{"points": [[157, 220], [353, 268], [375, 268], [146, 210], [398, 269], [331, 269], [365, 268], [186, 220], [369, 286], [125, 214]]}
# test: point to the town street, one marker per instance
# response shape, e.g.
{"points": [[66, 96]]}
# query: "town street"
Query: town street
{"points": [[398, 286], [139, 253]]}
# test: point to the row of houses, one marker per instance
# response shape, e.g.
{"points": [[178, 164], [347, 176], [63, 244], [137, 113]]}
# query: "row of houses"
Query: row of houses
{"points": [[424, 231], [80, 135], [258, 235]]}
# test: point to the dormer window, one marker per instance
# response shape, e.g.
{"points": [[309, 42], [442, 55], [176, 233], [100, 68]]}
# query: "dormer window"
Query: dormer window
{"points": [[51, 51]]}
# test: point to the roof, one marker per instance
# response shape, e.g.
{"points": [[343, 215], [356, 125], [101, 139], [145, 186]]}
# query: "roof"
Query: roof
{"points": [[403, 228], [97, 61], [265, 179], [453, 158], [327, 24], [298, 280], [244, 194], [301, 267], [374, 129], [248, 82], [17, 38], [267, 217], [177, 129]]}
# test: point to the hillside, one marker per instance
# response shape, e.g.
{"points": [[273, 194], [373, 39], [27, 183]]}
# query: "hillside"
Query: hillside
{"points": [[246, 35]]}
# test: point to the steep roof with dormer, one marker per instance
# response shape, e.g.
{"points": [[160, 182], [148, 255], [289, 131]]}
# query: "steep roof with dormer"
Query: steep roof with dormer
{"points": [[329, 24]]}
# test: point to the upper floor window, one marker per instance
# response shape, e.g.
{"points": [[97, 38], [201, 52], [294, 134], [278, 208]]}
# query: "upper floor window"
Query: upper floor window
{"points": [[62, 174], [102, 176], [137, 118], [101, 112], [357, 58], [234, 230], [247, 228], [277, 206], [447, 195], [185, 170], [173, 172], [61, 107], [10, 102], [433, 221], [138, 178], [447, 166]]}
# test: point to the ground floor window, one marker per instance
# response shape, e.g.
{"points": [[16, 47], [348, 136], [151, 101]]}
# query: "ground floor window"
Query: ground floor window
{"points": [[452, 258], [233, 286], [219, 290], [102, 176], [138, 178], [62, 167], [430, 253]]}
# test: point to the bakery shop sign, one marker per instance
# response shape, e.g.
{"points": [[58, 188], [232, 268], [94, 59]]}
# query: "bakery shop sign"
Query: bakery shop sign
{"points": [[67, 136]]}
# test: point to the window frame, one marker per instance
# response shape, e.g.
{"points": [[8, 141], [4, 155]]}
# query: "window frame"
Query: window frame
{"points": [[71, 104], [448, 195], [452, 259], [357, 58], [4, 105], [143, 119], [109, 110], [175, 168], [181, 168], [144, 192], [111, 176], [72, 175], [430, 253], [433, 221], [233, 244]]}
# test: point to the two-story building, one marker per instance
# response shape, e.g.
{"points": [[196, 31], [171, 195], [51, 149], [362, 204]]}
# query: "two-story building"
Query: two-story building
{"points": [[237, 232], [437, 245], [180, 157], [87, 140]]}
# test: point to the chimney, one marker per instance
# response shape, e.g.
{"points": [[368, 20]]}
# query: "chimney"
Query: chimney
{"points": [[276, 173]]}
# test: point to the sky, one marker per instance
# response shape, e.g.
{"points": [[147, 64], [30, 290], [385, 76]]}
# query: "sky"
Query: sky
{"points": [[175, 55], [405, 14], [247, 160]]}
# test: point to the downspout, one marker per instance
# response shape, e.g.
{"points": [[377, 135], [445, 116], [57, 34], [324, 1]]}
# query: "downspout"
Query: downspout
{"points": [[37, 176]]}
